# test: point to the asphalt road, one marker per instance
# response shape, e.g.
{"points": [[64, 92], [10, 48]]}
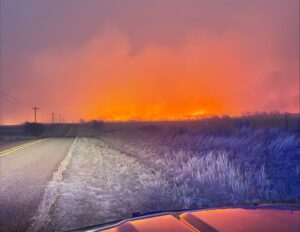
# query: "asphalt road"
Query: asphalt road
{"points": [[24, 174]]}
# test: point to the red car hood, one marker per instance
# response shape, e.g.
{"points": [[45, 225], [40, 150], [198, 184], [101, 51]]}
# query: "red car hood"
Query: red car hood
{"points": [[260, 218]]}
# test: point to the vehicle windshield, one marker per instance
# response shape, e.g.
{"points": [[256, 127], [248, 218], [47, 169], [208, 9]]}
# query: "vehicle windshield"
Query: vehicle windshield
{"points": [[110, 109]]}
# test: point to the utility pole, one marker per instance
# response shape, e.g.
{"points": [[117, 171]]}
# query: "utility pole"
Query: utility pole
{"points": [[35, 109], [286, 121], [60, 118], [52, 118]]}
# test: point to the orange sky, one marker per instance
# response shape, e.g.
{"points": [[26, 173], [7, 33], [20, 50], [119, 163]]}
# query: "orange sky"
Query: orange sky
{"points": [[115, 73]]}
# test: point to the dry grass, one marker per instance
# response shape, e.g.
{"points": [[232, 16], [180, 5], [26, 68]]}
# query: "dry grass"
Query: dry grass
{"points": [[228, 165]]}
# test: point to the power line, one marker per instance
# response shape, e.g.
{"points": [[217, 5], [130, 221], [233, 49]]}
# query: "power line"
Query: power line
{"points": [[19, 102], [15, 99], [13, 102]]}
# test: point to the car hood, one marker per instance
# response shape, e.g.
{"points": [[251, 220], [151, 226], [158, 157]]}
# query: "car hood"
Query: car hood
{"points": [[250, 218]]}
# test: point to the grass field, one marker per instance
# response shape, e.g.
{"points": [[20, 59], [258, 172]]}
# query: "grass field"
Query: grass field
{"points": [[218, 161]]}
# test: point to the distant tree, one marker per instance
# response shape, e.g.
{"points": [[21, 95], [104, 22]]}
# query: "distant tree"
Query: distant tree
{"points": [[96, 124], [34, 129]]}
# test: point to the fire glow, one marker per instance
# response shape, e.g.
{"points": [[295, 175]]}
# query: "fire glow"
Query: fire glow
{"points": [[120, 73]]}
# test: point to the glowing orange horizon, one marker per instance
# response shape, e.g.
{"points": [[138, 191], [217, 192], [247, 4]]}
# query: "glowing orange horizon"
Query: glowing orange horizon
{"points": [[204, 76], [168, 117], [184, 60]]}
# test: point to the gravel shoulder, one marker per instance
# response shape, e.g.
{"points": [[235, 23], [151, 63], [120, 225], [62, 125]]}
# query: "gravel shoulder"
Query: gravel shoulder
{"points": [[100, 184]]}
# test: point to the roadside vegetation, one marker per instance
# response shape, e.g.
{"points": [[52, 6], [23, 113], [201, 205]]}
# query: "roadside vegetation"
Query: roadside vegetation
{"points": [[215, 162]]}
